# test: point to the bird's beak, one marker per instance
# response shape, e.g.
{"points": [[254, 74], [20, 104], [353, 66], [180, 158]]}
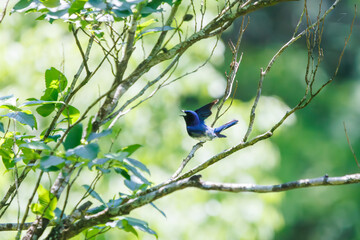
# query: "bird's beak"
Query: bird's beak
{"points": [[183, 113]]}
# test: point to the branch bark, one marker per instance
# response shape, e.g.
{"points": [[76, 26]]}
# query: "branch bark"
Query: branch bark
{"points": [[194, 181]]}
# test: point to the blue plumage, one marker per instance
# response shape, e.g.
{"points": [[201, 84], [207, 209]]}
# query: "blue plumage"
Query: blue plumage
{"points": [[196, 127]]}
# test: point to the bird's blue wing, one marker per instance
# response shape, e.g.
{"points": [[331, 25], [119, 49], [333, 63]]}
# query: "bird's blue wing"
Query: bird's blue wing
{"points": [[205, 111]]}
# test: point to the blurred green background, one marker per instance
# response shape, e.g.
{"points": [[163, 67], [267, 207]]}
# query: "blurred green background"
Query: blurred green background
{"points": [[310, 144]]}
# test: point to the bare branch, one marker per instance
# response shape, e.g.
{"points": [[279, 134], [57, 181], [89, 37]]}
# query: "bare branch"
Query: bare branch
{"points": [[187, 159], [351, 149], [116, 115], [295, 38], [272, 61], [253, 108], [302, 183], [234, 67], [84, 57], [162, 36], [23, 225], [194, 181], [4, 11], [224, 154], [13, 226]]}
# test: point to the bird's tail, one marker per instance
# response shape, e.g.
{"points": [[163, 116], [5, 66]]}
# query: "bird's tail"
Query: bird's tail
{"points": [[223, 127]]}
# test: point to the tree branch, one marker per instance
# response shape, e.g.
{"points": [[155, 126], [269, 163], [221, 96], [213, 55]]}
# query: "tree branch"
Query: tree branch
{"points": [[218, 25], [302, 183], [194, 181], [4, 11]]}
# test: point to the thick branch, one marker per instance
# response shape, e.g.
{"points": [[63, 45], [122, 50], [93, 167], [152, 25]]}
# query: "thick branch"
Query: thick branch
{"points": [[302, 183], [13, 226], [194, 181]]}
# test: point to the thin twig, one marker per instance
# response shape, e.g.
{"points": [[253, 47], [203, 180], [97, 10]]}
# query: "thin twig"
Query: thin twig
{"points": [[165, 83], [84, 57], [116, 115], [351, 149], [22, 226], [4, 11], [88, 191], [68, 192], [253, 108], [187, 159], [234, 66]]}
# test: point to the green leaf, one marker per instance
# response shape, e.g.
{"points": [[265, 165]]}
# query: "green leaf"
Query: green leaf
{"points": [[6, 97], [128, 224], [23, 118], [35, 145], [122, 10], [96, 209], [154, 30], [121, 14], [124, 225], [53, 138], [89, 126], [123, 173], [145, 24], [50, 3], [2, 127], [89, 151], [76, 6], [73, 138], [134, 186], [103, 170], [51, 94], [51, 163], [11, 107], [141, 225], [137, 164], [131, 149], [137, 174], [93, 193], [152, 204], [22, 5], [45, 110], [120, 156], [93, 136], [92, 232], [97, 4], [36, 102], [47, 103], [71, 113], [115, 203], [98, 162], [156, 3], [29, 154], [41, 17], [47, 203], [7, 158], [54, 79]]}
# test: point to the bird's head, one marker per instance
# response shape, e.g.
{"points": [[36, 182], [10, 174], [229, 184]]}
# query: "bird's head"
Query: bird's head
{"points": [[191, 118]]}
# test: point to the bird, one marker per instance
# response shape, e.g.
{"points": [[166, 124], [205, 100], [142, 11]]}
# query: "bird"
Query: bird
{"points": [[196, 127]]}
